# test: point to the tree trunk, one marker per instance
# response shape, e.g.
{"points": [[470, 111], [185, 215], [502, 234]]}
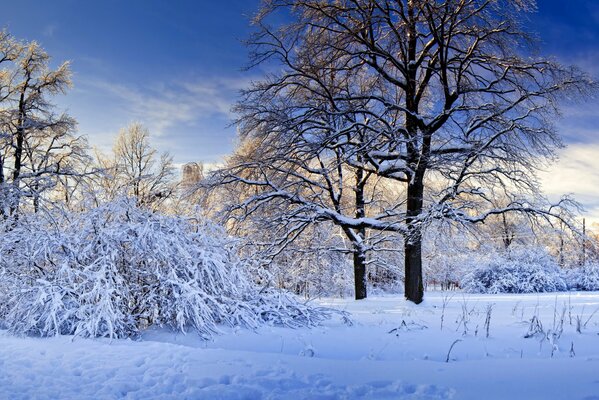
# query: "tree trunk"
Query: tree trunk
{"points": [[20, 138], [418, 159], [414, 289], [20, 134], [360, 273], [359, 251], [16, 198], [36, 199], [18, 155]]}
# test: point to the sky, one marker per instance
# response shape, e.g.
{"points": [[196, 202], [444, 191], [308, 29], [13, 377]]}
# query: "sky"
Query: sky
{"points": [[178, 65]]}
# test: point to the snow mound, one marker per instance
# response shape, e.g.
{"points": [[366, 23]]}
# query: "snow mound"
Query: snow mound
{"points": [[117, 269]]}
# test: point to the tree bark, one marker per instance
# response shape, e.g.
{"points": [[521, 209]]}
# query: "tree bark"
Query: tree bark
{"points": [[16, 200], [20, 135], [359, 251], [414, 289], [359, 272]]}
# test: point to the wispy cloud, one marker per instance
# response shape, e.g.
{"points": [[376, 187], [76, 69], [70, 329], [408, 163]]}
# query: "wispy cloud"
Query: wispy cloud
{"points": [[188, 108], [49, 30], [189, 117], [168, 105]]}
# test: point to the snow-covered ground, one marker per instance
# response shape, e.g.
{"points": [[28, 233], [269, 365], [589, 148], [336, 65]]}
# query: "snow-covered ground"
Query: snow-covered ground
{"points": [[394, 350]]}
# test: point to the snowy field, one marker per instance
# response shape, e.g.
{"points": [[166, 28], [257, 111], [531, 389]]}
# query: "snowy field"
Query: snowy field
{"points": [[394, 350]]}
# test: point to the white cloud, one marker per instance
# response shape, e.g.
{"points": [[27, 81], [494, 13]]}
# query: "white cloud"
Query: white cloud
{"points": [[187, 104], [576, 173], [168, 105], [189, 118], [49, 30]]}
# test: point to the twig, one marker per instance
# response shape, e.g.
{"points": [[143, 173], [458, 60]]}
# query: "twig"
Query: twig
{"points": [[451, 348], [589, 319], [488, 319], [446, 300]]}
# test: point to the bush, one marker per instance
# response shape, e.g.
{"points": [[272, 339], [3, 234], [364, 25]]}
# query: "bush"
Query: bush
{"points": [[529, 270], [117, 269], [584, 278]]}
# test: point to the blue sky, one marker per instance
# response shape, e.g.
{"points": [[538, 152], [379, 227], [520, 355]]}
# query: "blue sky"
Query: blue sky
{"points": [[173, 65], [177, 66]]}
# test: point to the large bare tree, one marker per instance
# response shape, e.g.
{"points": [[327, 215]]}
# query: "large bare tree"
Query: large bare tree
{"points": [[445, 99]]}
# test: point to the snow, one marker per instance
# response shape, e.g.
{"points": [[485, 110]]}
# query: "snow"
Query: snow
{"points": [[334, 361]]}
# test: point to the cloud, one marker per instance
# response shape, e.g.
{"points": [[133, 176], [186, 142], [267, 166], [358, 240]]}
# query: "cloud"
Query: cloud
{"points": [[576, 173], [49, 30], [181, 116], [165, 106], [190, 118]]}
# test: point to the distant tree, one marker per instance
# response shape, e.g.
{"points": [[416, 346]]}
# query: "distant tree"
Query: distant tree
{"points": [[193, 173], [136, 169], [445, 99]]}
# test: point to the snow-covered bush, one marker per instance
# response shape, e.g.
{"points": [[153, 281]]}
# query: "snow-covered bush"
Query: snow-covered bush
{"points": [[117, 269], [522, 270], [584, 278]]}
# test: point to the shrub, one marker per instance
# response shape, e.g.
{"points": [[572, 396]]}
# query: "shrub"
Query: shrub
{"points": [[529, 270], [584, 278], [117, 269]]}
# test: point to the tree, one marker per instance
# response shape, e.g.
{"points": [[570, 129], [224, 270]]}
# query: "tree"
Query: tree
{"points": [[136, 169], [445, 99], [37, 146], [10, 50], [287, 195]]}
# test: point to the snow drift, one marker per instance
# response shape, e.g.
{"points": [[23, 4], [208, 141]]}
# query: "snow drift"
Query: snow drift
{"points": [[117, 269]]}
